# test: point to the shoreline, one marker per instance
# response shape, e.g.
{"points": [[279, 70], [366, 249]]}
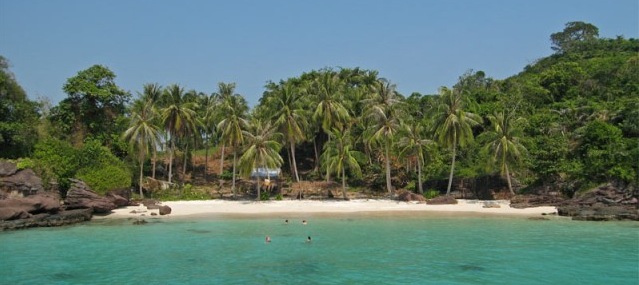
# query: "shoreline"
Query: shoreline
{"points": [[204, 208]]}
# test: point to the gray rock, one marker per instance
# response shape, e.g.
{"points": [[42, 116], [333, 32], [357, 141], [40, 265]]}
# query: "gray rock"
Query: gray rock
{"points": [[80, 196], [7, 168], [24, 181], [165, 210]]}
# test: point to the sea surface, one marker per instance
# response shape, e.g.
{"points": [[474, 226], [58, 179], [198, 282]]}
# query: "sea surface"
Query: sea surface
{"points": [[345, 249]]}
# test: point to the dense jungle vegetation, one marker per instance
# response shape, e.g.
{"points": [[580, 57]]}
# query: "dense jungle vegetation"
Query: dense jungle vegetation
{"points": [[567, 122]]}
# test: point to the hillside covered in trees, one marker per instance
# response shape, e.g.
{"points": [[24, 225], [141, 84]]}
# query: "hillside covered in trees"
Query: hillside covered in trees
{"points": [[566, 123]]}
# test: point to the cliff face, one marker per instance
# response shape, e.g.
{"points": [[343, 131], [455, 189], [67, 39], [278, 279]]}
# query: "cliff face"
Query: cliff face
{"points": [[24, 203]]}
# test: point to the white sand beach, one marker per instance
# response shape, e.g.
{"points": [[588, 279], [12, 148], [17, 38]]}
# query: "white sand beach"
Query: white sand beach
{"points": [[189, 208]]}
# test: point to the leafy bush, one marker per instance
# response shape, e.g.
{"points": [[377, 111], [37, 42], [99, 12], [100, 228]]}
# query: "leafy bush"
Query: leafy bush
{"points": [[430, 194], [226, 175], [24, 163], [264, 196], [410, 185], [106, 177]]}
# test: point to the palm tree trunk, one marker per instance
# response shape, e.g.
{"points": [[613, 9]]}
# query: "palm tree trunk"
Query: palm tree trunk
{"points": [[388, 173], [419, 176], [222, 160], [257, 183], [316, 154], [141, 172], [328, 169], [206, 158], [344, 182], [186, 151], [297, 177], [233, 184], [171, 159], [155, 152], [510, 185], [452, 168]]}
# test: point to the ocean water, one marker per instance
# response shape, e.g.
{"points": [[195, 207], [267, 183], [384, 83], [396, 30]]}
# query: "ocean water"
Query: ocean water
{"points": [[345, 249]]}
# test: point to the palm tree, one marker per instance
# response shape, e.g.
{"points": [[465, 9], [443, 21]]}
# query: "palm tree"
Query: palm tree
{"points": [[142, 134], [382, 115], [224, 91], [206, 115], [329, 111], [505, 143], [178, 116], [453, 125], [233, 125], [340, 154], [262, 151], [152, 93], [290, 118], [413, 143]]}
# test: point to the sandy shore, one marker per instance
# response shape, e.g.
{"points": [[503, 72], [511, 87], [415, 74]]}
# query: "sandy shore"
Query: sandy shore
{"points": [[212, 207]]}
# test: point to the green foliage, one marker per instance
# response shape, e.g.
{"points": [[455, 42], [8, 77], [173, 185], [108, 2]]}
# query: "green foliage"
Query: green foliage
{"points": [[226, 175], [24, 163], [18, 117], [279, 197], [264, 196], [92, 107], [183, 192], [104, 178], [430, 194]]}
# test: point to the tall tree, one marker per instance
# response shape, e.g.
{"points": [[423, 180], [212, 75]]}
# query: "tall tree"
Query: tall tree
{"points": [[178, 117], [232, 127], [18, 117], [453, 125], [152, 93], [413, 142], [94, 102], [573, 33], [262, 150], [383, 116], [290, 117], [142, 133], [224, 92], [505, 143], [340, 154], [330, 112]]}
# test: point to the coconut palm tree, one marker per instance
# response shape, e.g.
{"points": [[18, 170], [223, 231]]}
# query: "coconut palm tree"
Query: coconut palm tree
{"points": [[340, 154], [289, 117], [263, 150], [504, 142], [142, 134], [412, 142], [330, 112], [383, 121], [453, 125], [233, 125], [224, 91], [152, 93], [178, 117]]}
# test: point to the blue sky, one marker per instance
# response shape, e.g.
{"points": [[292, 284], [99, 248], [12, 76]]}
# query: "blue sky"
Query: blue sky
{"points": [[419, 45]]}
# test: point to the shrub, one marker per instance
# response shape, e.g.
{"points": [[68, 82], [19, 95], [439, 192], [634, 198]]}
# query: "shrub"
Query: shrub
{"points": [[264, 196], [430, 194], [226, 175], [101, 179], [24, 163]]}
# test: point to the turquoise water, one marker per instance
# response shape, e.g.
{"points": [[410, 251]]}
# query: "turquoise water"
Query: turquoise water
{"points": [[347, 249]]}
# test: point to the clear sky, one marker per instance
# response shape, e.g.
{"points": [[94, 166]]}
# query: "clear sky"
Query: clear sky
{"points": [[419, 45]]}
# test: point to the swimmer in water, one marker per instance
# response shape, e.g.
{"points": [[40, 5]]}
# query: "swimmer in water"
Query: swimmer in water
{"points": [[267, 239]]}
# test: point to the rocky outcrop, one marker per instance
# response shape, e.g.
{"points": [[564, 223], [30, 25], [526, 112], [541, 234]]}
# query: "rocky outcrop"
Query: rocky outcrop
{"points": [[7, 168], [164, 210], [21, 208], [46, 220], [80, 196], [408, 196], [604, 203], [117, 200], [529, 201], [25, 181], [442, 200]]}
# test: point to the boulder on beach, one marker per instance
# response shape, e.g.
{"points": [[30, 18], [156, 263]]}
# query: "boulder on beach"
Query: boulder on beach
{"points": [[80, 196], [408, 196], [165, 210], [442, 200]]}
